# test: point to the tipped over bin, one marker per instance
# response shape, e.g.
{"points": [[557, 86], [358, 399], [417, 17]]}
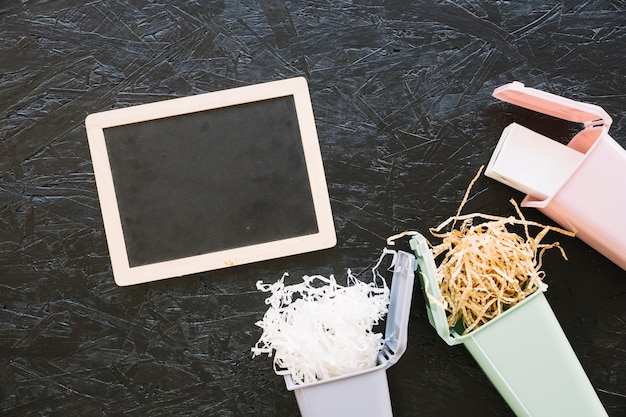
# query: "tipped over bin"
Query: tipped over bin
{"points": [[523, 351], [365, 393], [579, 185]]}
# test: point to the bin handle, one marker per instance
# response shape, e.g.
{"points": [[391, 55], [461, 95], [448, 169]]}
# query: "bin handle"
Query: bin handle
{"points": [[396, 328], [432, 294]]}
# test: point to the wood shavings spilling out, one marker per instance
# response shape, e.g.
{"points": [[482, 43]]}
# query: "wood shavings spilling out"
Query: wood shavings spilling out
{"points": [[319, 329], [485, 268]]}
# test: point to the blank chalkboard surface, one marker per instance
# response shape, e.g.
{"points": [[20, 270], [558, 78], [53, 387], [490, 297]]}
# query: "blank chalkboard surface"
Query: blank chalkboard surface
{"points": [[210, 181]]}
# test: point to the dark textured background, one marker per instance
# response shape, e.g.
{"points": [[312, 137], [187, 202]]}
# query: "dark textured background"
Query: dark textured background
{"points": [[402, 98]]}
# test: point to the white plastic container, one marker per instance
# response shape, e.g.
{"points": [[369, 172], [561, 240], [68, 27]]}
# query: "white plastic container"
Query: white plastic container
{"points": [[588, 198], [523, 352], [365, 393]]}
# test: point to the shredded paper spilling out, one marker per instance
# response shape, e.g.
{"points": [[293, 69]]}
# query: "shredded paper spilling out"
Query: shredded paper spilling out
{"points": [[319, 329], [484, 268]]}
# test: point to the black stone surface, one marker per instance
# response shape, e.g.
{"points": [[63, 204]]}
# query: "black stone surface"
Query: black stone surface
{"points": [[402, 97]]}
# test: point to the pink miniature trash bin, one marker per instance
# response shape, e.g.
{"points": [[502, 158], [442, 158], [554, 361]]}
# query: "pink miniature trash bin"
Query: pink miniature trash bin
{"points": [[590, 197]]}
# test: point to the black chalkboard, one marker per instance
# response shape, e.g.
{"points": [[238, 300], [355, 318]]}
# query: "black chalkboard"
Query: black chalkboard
{"points": [[211, 180]]}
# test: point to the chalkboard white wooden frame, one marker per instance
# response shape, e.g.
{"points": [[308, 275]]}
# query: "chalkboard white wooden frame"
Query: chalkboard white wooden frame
{"points": [[127, 274]]}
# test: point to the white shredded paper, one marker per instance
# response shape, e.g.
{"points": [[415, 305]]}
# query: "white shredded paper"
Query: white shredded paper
{"points": [[319, 329]]}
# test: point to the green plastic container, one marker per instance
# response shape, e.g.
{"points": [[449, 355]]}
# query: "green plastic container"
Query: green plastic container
{"points": [[524, 352]]}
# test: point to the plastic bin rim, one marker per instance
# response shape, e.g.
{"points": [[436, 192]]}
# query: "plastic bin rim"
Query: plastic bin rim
{"points": [[492, 322], [291, 386]]}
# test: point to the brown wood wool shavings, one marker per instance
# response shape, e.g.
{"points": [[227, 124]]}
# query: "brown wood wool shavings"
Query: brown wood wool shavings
{"points": [[484, 268]]}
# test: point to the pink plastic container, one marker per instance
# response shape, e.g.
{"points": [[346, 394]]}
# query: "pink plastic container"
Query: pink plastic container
{"points": [[592, 200]]}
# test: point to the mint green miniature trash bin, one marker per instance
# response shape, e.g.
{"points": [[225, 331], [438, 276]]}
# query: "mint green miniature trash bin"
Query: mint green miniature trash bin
{"points": [[524, 352], [366, 393]]}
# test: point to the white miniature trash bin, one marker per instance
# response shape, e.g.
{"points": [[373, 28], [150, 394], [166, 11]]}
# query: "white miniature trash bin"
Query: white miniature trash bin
{"points": [[523, 352], [589, 195], [365, 393]]}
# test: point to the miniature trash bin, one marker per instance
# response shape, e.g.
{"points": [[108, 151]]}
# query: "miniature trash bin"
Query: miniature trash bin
{"points": [[365, 393], [523, 352], [579, 185]]}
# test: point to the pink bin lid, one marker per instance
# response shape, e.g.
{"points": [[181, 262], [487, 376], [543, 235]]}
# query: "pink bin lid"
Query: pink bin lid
{"points": [[552, 105]]}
